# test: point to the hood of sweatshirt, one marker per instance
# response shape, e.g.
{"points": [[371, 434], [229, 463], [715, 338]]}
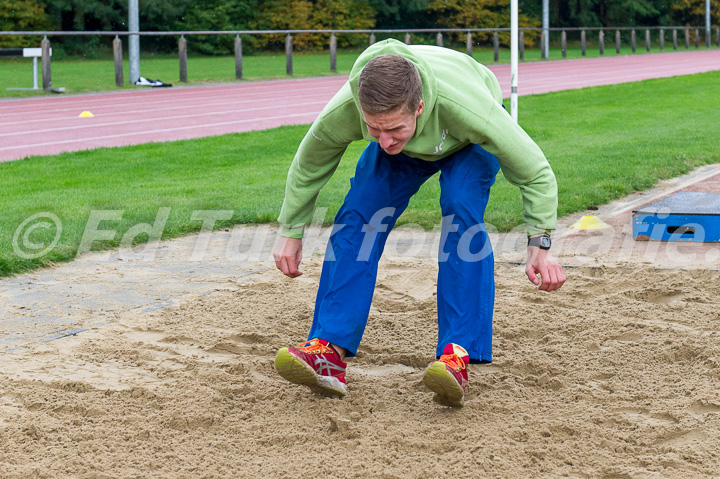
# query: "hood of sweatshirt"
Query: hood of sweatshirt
{"points": [[429, 82]]}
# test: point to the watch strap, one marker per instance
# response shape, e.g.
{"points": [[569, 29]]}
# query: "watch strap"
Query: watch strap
{"points": [[541, 241]]}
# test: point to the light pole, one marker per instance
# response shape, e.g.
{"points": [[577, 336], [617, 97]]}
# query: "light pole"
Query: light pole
{"points": [[134, 41], [514, 59], [546, 28], [708, 41]]}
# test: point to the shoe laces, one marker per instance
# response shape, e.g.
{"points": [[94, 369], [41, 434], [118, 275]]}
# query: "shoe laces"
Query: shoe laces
{"points": [[453, 361], [314, 346]]}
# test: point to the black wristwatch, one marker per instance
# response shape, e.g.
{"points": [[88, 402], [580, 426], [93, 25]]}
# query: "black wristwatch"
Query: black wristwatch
{"points": [[542, 242]]}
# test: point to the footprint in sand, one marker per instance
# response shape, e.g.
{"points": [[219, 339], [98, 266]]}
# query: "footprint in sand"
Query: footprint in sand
{"points": [[703, 407], [655, 296], [628, 337], [642, 416], [681, 438]]}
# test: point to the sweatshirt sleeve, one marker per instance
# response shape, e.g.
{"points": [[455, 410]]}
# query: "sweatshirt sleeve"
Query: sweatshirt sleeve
{"points": [[316, 160], [523, 163]]}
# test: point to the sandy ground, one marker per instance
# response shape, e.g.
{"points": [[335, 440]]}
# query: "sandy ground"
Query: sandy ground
{"points": [[616, 375], [170, 374]]}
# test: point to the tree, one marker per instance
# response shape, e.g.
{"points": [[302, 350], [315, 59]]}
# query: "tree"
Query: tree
{"points": [[84, 15], [166, 15], [215, 15], [477, 14], [629, 13], [22, 15], [314, 15], [161, 15], [692, 12], [402, 13], [343, 15], [604, 13]]}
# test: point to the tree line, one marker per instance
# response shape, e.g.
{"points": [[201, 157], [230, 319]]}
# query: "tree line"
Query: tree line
{"points": [[169, 15]]}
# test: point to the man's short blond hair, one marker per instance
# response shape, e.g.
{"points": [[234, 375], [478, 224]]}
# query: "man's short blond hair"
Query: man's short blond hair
{"points": [[389, 82]]}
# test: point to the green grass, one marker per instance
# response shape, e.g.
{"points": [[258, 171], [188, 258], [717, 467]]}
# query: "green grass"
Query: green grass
{"points": [[78, 76], [603, 143], [81, 75]]}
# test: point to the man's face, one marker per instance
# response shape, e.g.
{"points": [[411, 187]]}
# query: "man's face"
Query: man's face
{"points": [[393, 129]]}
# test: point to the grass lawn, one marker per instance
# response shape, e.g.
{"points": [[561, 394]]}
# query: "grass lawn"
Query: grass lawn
{"points": [[99, 75], [602, 142], [81, 75]]}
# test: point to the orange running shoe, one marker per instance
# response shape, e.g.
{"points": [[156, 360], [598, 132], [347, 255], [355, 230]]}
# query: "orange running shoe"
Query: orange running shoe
{"points": [[447, 377], [315, 364]]}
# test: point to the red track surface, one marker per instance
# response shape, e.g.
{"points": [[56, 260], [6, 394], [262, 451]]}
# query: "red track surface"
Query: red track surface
{"points": [[50, 125]]}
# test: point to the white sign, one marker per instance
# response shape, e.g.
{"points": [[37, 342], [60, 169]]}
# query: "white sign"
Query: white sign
{"points": [[33, 52]]}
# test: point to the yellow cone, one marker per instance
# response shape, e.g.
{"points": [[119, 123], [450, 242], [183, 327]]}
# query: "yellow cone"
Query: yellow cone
{"points": [[86, 114], [590, 222]]}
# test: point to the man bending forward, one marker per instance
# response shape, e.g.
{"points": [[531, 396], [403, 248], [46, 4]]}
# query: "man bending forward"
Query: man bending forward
{"points": [[424, 110]]}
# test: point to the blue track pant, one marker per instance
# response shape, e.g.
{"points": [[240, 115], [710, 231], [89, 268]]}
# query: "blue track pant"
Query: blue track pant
{"points": [[379, 193]]}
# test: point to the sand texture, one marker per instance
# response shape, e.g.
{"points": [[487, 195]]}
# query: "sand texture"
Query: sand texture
{"points": [[617, 375]]}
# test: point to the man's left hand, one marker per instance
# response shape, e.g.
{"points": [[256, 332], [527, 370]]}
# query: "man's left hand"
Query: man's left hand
{"points": [[540, 262]]}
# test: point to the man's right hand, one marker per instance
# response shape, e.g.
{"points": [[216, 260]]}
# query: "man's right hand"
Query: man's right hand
{"points": [[287, 254]]}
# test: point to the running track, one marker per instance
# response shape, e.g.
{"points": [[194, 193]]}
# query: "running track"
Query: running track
{"points": [[50, 125]]}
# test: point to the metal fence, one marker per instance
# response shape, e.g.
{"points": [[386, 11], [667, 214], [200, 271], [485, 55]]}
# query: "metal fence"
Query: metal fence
{"points": [[544, 35]]}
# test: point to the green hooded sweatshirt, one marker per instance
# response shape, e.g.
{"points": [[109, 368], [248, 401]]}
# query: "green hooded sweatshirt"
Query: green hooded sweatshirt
{"points": [[463, 106]]}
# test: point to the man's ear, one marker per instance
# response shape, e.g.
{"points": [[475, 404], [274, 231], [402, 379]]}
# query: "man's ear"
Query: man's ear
{"points": [[420, 108]]}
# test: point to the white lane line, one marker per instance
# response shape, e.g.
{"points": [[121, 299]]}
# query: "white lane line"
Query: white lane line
{"points": [[587, 80], [582, 80], [101, 99], [591, 68], [164, 118], [161, 130], [638, 68], [149, 105]]}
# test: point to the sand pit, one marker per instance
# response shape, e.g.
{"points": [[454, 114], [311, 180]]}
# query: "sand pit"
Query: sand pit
{"points": [[616, 375]]}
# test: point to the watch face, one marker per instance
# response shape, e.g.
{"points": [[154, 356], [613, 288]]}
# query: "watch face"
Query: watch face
{"points": [[545, 242]]}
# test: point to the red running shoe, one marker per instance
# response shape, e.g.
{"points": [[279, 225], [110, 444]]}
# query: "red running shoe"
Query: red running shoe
{"points": [[315, 364], [447, 377]]}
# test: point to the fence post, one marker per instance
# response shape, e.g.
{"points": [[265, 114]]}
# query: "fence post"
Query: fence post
{"points": [[521, 45], [564, 44], [674, 38], [647, 40], [687, 38], [708, 37], [46, 72], [469, 43], [601, 41], [182, 53], [662, 40], [583, 41], [717, 36], [407, 39], [633, 40], [333, 53], [372, 39], [288, 55], [439, 39], [697, 38], [496, 47], [238, 57], [542, 44], [117, 58], [617, 42]]}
